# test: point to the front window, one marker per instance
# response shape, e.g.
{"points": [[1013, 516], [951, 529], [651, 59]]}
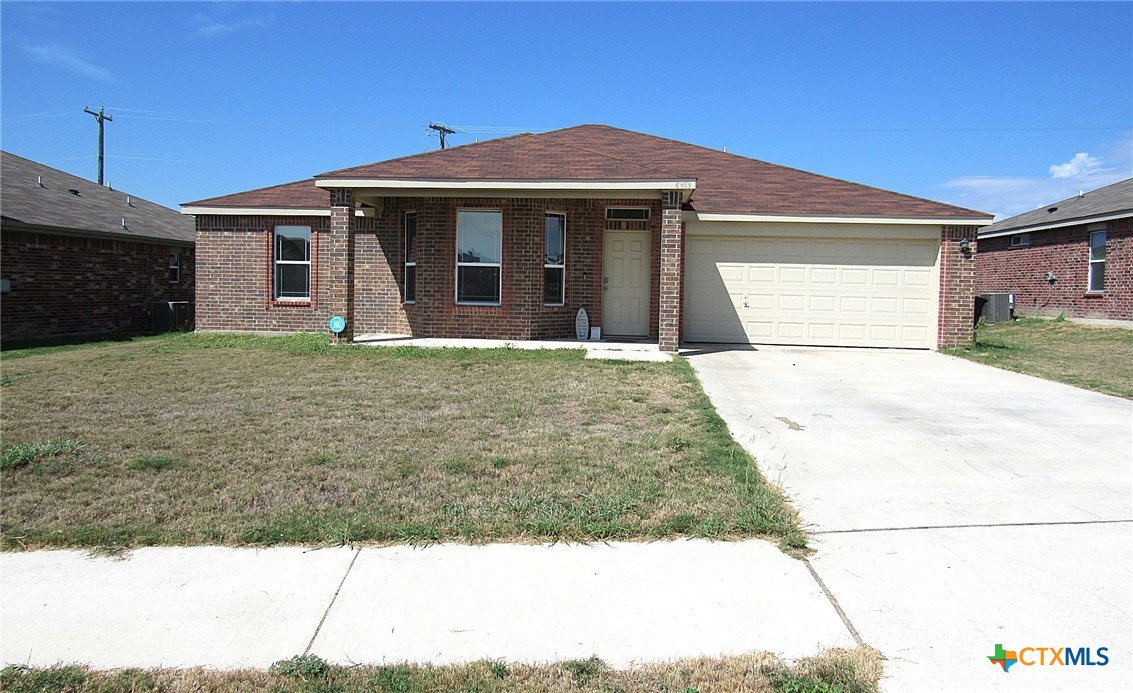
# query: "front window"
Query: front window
{"points": [[1021, 240], [554, 260], [411, 257], [1097, 261], [479, 241], [293, 263]]}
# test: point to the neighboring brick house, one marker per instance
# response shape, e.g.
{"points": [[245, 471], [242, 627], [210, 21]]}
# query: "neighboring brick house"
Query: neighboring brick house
{"points": [[1072, 258], [658, 240], [78, 258]]}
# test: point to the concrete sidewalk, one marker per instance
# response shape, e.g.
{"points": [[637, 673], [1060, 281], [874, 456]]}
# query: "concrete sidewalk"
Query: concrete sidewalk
{"points": [[595, 349], [229, 608]]}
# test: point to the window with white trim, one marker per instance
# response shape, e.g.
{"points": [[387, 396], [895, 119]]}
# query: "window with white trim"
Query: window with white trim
{"points": [[174, 267], [1097, 261], [1020, 240], [479, 251], [411, 257], [554, 260], [293, 263]]}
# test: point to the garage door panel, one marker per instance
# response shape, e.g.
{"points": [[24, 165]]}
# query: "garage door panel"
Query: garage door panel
{"points": [[792, 275], [917, 278], [824, 275], [851, 292], [916, 306], [789, 303], [823, 304]]}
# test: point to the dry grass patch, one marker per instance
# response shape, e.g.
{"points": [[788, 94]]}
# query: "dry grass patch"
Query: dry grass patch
{"points": [[844, 671], [1088, 356], [210, 439]]}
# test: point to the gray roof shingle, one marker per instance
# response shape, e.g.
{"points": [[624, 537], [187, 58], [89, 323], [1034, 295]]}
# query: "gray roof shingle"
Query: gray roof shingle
{"points": [[76, 205], [1112, 199]]}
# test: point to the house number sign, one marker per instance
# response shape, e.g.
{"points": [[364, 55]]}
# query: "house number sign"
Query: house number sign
{"points": [[337, 324]]}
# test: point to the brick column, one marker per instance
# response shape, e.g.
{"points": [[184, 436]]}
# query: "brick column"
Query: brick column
{"points": [[339, 257], [672, 272], [956, 325]]}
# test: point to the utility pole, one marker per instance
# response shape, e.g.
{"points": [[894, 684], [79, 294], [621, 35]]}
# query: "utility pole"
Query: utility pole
{"points": [[442, 131], [101, 117]]}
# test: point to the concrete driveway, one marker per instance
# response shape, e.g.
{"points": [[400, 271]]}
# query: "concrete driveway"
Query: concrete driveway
{"points": [[953, 506]]}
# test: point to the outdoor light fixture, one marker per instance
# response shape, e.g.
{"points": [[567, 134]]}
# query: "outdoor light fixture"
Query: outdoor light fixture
{"points": [[965, 245]]}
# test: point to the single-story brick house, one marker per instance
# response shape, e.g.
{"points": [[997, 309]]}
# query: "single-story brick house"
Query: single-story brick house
{"points": [[1072, 258], [78, 258], [657, 239]]}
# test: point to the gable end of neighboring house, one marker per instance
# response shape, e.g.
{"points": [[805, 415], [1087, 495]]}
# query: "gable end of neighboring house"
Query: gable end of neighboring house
{"points": [[1073, 257], [658, 240], [82, 259]]}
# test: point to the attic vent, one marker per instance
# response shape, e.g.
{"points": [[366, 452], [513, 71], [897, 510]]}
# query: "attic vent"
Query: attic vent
{"points": [[1052, 209], [73, 192]]}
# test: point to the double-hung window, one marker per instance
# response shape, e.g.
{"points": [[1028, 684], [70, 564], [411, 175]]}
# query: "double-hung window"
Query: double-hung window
{"points": [[293, 263], [175, 267], [1097, 261], [411, 257], [554, 260], [479, 245]]}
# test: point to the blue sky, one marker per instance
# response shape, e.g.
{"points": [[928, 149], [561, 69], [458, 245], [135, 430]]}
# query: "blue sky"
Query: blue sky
{"points": [[1001, 107]]}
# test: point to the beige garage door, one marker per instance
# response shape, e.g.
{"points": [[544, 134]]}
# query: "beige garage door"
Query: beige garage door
{"points": [[827, 292]]}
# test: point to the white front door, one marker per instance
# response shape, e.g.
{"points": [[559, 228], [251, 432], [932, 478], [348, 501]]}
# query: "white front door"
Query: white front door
{"points": [[625, 284]]}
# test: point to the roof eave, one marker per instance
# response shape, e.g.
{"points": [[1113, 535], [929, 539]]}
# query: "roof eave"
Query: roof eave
{"points": [[614, 184], [10, 224], [1075, 221], [258, 211], [836, 219]]}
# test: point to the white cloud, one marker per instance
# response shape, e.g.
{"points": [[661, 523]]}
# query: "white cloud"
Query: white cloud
{"points": [[1006, 196], [63, 57], [212, 27], [1081, 165]]}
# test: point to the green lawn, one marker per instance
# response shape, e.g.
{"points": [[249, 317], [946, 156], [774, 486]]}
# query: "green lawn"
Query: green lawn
{"points": [[240, 440], [843, 671], [1096, 358]]}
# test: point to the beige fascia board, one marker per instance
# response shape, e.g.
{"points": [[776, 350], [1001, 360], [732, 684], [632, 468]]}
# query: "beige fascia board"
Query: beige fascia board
{"points": [[262, 211], [1059, 224], [534, 185], [816, 219]]}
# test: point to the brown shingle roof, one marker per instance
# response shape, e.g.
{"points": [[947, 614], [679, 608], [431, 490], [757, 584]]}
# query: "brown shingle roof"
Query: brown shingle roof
{"points": [[725, 183], [301, 194]]}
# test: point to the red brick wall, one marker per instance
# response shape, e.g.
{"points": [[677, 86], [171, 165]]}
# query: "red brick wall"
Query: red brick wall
{"points": [[66, 286], [236, 275], [1066, 252], [234, 268], [672, 272], [956, 326]]}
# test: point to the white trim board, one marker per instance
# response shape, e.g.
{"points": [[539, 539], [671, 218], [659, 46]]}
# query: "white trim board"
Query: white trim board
{"points": [[814, 219], [516, 184], [265, 211]]}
